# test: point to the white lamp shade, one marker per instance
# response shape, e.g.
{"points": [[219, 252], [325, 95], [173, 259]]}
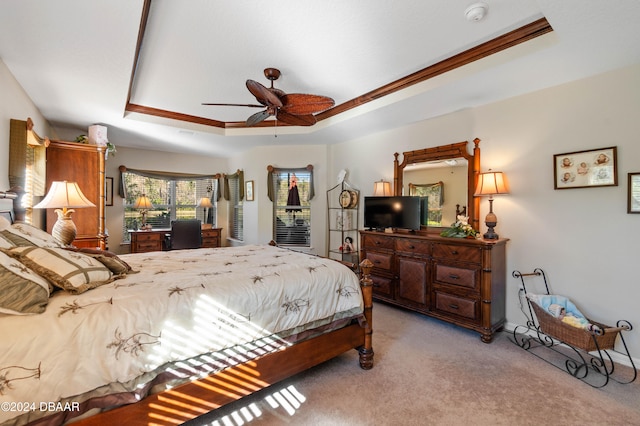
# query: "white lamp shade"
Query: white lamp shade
{"points": [[143, 203], [491, 183], [205, 202], [64, 195], [382, 189]]}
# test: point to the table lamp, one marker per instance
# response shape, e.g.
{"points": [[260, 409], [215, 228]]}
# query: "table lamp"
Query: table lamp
{"points": [[143, 203], [64, 197], [205, 203], [491, 183], [381, 189]]}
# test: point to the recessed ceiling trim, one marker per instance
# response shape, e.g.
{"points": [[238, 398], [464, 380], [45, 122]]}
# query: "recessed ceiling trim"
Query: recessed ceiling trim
{"points": [[498, 44]]}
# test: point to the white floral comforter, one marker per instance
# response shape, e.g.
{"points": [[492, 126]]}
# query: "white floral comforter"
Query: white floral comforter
{"points": [[180, 304]]}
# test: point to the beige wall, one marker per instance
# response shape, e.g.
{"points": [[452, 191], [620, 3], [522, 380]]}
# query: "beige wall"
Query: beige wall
{"points": [[15, 103], [583, 238]]}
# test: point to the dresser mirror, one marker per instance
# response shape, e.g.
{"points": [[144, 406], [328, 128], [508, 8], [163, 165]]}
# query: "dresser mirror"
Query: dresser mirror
{"points": [[448, 172]]}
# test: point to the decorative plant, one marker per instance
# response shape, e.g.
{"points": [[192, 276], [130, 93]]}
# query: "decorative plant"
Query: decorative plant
{"points": [[460, 229], [111, 149]]}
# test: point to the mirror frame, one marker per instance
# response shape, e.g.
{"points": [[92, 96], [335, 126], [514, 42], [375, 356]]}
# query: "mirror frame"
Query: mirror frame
{"points": [[444, 152]]}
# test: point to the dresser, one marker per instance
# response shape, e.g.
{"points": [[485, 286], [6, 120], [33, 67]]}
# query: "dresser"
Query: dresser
{"points": [[145, 241], [461, 281]]}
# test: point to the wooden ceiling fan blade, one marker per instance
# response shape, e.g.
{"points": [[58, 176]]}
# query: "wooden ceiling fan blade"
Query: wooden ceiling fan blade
{"points": [[240, 105], [258, 117], [303, 104], [263, 95], [296, 120]]}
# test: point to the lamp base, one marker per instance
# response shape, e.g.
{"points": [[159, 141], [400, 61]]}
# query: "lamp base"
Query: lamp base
{"points": [[64, 230], [490, 234]]}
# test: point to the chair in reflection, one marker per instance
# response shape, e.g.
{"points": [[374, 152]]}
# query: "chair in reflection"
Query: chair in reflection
{"points": [[185, 234]]}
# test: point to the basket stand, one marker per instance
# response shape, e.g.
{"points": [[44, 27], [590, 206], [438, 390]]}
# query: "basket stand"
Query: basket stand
{"points": [[583, 354]]}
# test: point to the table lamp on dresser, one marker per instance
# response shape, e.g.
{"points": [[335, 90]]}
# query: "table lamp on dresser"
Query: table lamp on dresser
{"points": [[64, 197]]}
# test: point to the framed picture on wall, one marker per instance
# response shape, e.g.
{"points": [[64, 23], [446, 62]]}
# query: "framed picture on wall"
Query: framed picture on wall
{"points": [[108, 191], [633, 194], [249, 191], [584, 169]]}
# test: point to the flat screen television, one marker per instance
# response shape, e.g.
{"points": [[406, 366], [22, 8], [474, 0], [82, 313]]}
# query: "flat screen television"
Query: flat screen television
{"points": [[392, 212]]}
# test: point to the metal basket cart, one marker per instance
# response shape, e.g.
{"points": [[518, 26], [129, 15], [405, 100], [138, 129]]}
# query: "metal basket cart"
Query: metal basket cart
{"points": [[585, 354]]}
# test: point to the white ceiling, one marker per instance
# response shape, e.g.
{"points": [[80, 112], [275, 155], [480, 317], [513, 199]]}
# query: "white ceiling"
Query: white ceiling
{"points": [[75, 59]]}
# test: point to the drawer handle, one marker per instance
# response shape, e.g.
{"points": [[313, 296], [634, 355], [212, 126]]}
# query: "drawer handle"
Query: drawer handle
{"points": [[377, 242], [377, 262], [412, 246], [454, 252], [453, 306], [454, 276]]}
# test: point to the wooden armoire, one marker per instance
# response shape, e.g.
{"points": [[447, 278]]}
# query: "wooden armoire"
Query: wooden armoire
{"points": [[84, 164]]}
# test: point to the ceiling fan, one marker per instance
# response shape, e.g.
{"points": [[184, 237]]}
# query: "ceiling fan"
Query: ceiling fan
{"points": [[295, 108]]}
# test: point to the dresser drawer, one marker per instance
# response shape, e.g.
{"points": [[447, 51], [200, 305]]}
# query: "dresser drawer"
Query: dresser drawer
{"points": [[146, 246], [381, 286], [144, 237], [381, 261], [460, 306], [413, 246], [210, 242], [456, 275], [377, 242], [459, 253]]}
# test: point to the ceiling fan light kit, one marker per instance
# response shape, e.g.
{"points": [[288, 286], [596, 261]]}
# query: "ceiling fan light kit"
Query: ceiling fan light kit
{"points": [[476, 12], [296, 109]]}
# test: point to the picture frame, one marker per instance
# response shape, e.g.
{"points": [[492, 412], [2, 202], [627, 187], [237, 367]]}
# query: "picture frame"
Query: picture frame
{"points": [[249, 190], [586, 169], [633, 193], [108, 191]]}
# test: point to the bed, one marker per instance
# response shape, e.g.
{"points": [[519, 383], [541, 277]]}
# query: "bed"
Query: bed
{"points": [[164, 337]]}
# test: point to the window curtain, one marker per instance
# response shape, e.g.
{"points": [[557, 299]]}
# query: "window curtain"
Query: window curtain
{"points": [[271, 170], [240, 176], [163, 175], [27, 163]]}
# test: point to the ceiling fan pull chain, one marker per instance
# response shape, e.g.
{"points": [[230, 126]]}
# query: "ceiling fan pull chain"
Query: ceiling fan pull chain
{"points": [[275, 125]]}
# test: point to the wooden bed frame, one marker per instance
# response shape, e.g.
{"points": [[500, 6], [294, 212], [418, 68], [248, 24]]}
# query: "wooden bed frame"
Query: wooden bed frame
{"points": [[196, 398]]}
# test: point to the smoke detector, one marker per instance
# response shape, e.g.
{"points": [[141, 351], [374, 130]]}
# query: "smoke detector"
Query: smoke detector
{"points": [[476, 12]]}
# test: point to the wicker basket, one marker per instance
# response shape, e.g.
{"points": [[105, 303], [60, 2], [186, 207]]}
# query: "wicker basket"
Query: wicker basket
{"points": [[575, 336]]}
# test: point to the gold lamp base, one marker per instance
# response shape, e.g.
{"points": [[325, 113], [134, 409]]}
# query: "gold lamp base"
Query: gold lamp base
{"points": [[64, 230]]}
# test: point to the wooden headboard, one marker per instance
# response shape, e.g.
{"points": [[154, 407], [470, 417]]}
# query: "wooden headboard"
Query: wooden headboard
{"points": [[8, 201]]}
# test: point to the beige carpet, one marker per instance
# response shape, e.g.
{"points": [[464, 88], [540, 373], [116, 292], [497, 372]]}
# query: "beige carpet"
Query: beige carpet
{"points": [[427, 372]]}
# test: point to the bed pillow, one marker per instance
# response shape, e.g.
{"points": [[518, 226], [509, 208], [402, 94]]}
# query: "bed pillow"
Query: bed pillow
{"points": [[22, 291], [4, 223], [34, 236], [107, 258], [71, 271], [5, 242]]}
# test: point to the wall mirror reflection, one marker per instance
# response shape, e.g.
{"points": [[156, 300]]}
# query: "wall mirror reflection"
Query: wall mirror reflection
{"points": [[444, 183]]}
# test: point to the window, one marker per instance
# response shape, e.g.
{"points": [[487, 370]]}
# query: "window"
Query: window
{"points": [[172, 199], [235, 195], [292, 191]]}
